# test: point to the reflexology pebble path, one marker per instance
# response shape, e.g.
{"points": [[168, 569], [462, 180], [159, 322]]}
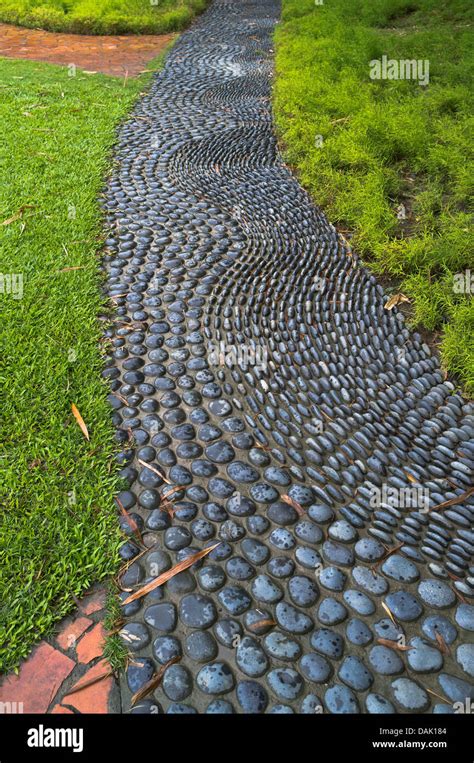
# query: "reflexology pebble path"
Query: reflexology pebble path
{"points": [[258, 380]]}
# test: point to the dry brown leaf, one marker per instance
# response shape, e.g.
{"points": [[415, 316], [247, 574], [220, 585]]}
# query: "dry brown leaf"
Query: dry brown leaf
{"points": [[80, 421], [131, 522], [386, 608], [67, 270], [454, 501], [393, 645], [18, 215], [394, 300], [443, 647], [291, 501], [154, 681], [173, 490], [188, 562], [436, 695], [152, 469], [410, 477], [261, 624], [89, 682]]}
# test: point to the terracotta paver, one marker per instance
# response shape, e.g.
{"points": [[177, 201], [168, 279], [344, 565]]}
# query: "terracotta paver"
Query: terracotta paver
{"points": [[71, 631], [92, 644], [38, 680], [94, 698], [117, 55]]}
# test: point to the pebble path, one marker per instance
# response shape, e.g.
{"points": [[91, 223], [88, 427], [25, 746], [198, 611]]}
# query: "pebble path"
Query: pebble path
{"points": [[258, 380]]}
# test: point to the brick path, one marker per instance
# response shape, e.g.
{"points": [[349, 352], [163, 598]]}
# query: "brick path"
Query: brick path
{"points": [[110, 55]]}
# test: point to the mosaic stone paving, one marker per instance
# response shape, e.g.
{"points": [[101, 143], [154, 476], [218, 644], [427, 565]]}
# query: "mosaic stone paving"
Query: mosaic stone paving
{"points": [[285, 412]]}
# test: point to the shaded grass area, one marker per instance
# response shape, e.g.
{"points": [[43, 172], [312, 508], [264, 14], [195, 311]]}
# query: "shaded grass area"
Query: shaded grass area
{"points": [[389, 160], [58, 527], [102, 16]]}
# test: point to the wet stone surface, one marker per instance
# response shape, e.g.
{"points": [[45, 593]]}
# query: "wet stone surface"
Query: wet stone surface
{"points": [[264, 399]]}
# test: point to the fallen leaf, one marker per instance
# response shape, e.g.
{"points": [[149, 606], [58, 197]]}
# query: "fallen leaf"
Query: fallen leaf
{"points": [[89, 682], [131, 522], [188, 562], [261, 624], [454, 501], [80, 421], [394, 300], [443, 647], [393, 645], [154, 681], [67, 270], [389, 614], [291, 501], [150, 467], [18, 215]]}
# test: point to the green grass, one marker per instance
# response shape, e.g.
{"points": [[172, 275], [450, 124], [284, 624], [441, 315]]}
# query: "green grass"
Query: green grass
{"points": [[58, 528], [102, 16], [385, 143]]}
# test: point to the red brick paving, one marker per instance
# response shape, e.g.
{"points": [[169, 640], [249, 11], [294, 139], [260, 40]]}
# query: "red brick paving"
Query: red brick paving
{"points": [[94, 698], [48, 674], [111, 55], [38, 680]]}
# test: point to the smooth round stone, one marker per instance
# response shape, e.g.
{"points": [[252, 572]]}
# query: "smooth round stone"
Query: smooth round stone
{"points": [[404, 606], [336, 553], [359, 602], [211, 577], [279, 646], [456, 689], [240, 506], [215, 678], [370, 581], [424, 658], [436, 593], [281, 567], [376, 704], [202, 529], [291, 619], [331, 612], [179, 709], [303, 591], [200, 646], [251, 658], [235, 599], [146, 707], [263, 493], [320, 513], [166, 648], [281, 710], [231, 531], [162, 616], [177, 538], [219, 707], [369, 550], [177, 683], [277, 476], [355, 674], [400, 569], [197, 611], [242, 472], [443, 710], [308, 532], [340, 700], [255, 551], [301, 494], [228, 632], [220, 452], [252, 697], [139, 672], [257, 524], [214, 512], [308, 557], [358, 632], [342, 531], [286, 683], [315, 668], [328, 642], [311, 705], [282, 514], [238, 568], [332, 578], [465, 658], [385, 660], [282, 539], [464, 616], [258, 621], [409, 695], [265, 590], [439, 624]]}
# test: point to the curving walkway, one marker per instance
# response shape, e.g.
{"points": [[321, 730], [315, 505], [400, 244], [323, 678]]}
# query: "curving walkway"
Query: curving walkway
{"points": [[287, 414]]}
